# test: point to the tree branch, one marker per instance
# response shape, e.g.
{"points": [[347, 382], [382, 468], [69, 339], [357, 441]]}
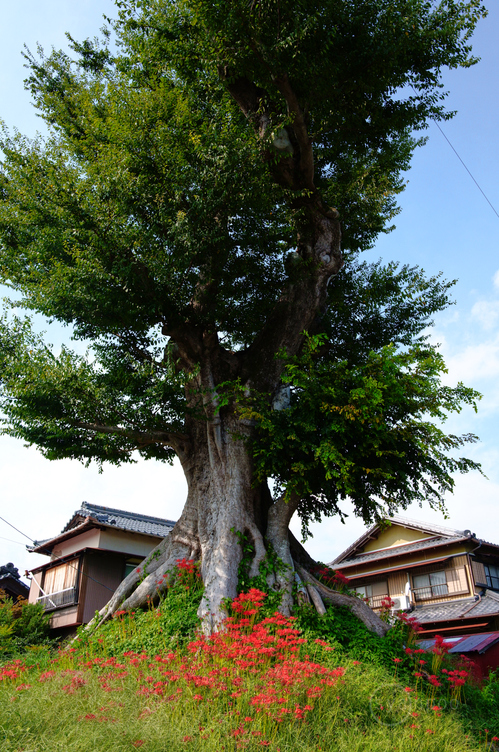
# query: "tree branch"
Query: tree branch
{"points": [[357, 606], [143, 438], [306, 157]]}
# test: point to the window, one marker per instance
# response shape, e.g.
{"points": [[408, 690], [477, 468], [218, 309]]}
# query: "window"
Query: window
{"points": [[130, 565], [365, 591], [432, 585], [60, 584], [492, 575], [374, 592]]}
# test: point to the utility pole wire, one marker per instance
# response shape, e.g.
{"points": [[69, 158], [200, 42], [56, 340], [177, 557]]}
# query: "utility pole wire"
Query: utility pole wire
{"points": [[467, 170], [49, 552]]}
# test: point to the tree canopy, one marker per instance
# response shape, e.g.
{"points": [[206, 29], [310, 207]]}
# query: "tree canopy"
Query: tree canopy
{"points": [[196, 213]]}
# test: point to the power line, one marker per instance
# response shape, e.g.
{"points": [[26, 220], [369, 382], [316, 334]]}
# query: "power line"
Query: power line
{"points": [[17, 531], [467, 170], [12, 541], [463, 163], [76, 569]]}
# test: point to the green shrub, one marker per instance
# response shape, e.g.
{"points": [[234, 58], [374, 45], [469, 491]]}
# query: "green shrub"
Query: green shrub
{"points": [[21, 624]]}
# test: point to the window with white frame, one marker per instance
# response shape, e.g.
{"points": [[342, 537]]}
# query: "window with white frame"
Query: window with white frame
{"points": [[60, 585], [431, 585]]}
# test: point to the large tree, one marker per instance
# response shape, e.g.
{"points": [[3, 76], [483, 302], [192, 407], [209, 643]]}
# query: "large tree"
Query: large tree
{"points": [[211, 173]]}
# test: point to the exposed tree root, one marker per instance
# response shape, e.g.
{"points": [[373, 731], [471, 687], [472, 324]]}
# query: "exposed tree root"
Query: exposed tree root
{"points": [[357, 606], [316, 599], [144, 585]]}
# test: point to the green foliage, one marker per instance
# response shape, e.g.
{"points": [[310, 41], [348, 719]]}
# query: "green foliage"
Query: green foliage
{"points": [[169, 625], [340, 627], [22, 624], [371, 428], [270, 565], [92, 696], [156, 216]]}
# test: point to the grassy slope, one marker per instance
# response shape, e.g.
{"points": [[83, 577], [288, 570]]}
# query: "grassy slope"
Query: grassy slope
{"points": [[233, 695]]}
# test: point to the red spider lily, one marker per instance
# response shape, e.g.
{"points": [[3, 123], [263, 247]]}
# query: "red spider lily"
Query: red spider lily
{"points": [[434, 681], [46, 675]]}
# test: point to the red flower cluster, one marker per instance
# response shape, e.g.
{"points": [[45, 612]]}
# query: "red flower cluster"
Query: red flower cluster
{"points": [[440, 647], [411, 621], [333, 578], [247, 604], [12, 670], [189, 566]]}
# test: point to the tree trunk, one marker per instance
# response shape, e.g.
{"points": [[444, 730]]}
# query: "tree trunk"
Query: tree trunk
{"points": [[222, 502]]}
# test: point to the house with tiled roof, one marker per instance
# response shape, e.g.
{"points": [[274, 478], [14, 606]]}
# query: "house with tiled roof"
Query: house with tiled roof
{"points": [[94, 552], [11, 583], [447, 578]]}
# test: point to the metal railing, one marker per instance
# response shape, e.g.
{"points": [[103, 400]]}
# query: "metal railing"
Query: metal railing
{"points": [[66, 597], [375, 601], [430, 591]]}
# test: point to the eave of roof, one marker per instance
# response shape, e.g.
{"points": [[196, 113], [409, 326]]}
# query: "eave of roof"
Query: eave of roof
{"points": [[402, 567], [459, 610], [411, 524], [396, 520], [90, 523], [391, 553], [473, 643], [97, 511]]}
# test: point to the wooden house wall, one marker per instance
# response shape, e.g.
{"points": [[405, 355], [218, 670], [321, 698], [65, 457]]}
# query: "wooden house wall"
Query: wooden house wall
{"points": [[396, 584], [134, 544], [107, 569], [65, 617], [478, 574], [457, 575], [34, 590]]}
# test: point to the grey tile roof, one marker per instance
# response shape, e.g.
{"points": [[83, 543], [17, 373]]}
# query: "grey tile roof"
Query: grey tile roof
{"points": [[122, 520], [468, 608], [397, 519], [408, 548], [424, 527]]}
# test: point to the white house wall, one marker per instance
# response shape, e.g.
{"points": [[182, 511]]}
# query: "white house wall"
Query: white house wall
{"points": [[132, 544]]}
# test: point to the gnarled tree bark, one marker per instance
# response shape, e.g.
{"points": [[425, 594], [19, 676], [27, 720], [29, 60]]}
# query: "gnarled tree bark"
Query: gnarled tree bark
{"points": [[223, 499]]}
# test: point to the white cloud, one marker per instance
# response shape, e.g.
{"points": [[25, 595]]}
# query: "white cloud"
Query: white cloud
{"points": [[474, 363], [486, 312]]}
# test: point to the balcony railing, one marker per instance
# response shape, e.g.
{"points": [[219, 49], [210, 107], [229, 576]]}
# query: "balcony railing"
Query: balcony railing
{"points": [[66, 597], [375, 601], [431, 591]]}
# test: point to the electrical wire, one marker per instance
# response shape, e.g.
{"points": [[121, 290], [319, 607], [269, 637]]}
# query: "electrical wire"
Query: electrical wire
{"points": [[68, 564], [12, 541], [463, 163], [467, 170]]}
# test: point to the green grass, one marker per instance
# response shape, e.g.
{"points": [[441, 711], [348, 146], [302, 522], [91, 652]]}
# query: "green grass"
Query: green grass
{"points": [[253, 690]]}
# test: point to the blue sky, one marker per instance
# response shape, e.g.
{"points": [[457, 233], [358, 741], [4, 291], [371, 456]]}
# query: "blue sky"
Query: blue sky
{"points": [[445, 225]]}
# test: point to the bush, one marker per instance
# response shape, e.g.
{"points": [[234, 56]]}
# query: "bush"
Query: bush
{"points": [[21, 624]]}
